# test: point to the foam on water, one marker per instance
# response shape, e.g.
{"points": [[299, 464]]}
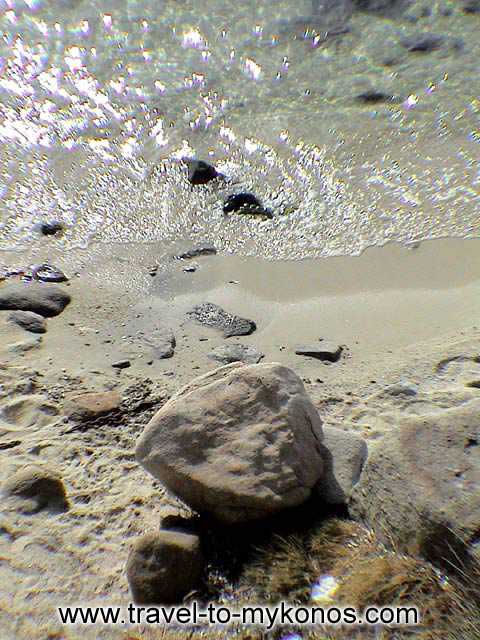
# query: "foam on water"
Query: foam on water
{"points": [[99, 102]]}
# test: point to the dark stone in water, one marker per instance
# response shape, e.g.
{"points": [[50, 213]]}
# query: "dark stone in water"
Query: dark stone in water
{"points": [[471, 6], [211, 315], [200, 172], [374, 97], [423, 42], [47, 273], [383, 7], [50, 228], [245, 203]]}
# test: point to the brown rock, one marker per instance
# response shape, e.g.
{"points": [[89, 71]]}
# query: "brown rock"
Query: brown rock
{"points": [[93, 405], [164, 566]]}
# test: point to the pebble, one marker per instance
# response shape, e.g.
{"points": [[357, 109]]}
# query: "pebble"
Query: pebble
{"points": [[121, 364], [200, 172], [327, 351]]}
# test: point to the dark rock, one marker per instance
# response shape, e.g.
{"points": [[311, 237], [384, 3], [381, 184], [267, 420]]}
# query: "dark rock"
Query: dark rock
{"points": [[163, 567], [29, 321], [420, 487], [203, 250], [50, 228], [383, 7], [211, 315], [423, 42], [121, 364], [323, 351], [200, 172], [47, 273], [471, 6], [236, 353], [374, 97], [245, 203], [190, 269], [47, 300], [37, 488]]}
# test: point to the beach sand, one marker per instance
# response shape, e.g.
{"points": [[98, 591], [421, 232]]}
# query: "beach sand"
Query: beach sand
{"points": [[404, 316]]}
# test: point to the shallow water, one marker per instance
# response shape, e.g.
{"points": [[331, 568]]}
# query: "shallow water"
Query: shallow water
{"points": [[99, 100]]}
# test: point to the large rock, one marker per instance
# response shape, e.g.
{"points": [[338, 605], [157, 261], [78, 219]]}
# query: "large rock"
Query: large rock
{"points": [[344, 454], [164, 566], [241, 442], [45, 299], [421, 486]]}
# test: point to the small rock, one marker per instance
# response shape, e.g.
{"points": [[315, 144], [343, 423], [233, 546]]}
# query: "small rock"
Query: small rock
{"points": [[203, 250], [164, 344], [88, 406], [245, 203], [190, 269], [46, 300], [211, 315], [47, 273], [25, 345], [327, 351], [344, 455], [29, 321], [163, 567], [236, 353], [50, 228], [121, 364], [200, 172], [38, 488], [423, 42]]}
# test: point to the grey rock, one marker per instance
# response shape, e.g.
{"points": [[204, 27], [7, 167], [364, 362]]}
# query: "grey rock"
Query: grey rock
{"points": [[391, 8], [420, 487], [203, 250], [327, 351], [241, 442], [24, 346], [37, 489], [29, 321], [44, 299], [344, 454], [164, 566], [211, 315], [164, 344], [228, 353]]}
